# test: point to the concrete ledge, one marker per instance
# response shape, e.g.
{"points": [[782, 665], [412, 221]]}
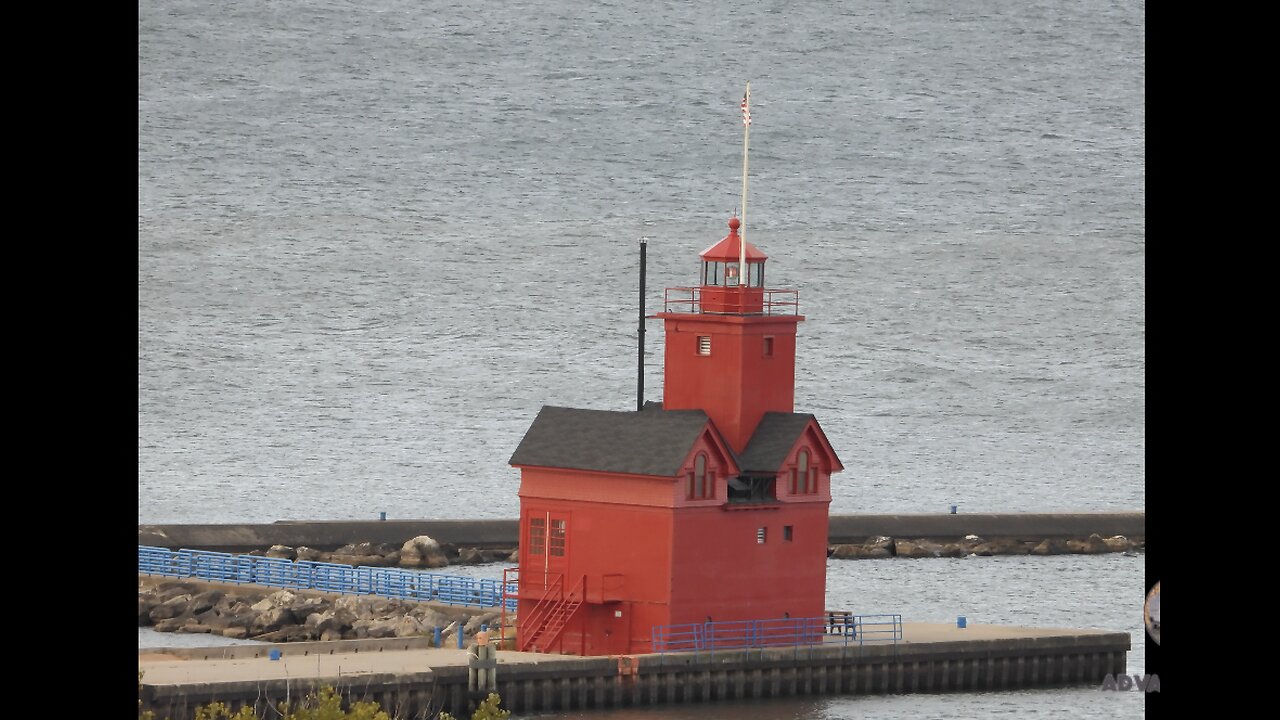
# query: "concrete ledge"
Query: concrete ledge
{"points": [[289, 649], [1019, 526], [418, 683], [330, 535], [246, 692]]}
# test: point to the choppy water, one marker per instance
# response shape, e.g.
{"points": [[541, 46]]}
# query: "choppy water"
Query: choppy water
{"points": [[374, 238]]}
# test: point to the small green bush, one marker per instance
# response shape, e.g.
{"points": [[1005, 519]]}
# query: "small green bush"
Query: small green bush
{"points": [[488, 710]]}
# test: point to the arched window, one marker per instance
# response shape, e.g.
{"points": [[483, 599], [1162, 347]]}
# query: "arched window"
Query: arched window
{"points": [[805, 482], [700, 481]]}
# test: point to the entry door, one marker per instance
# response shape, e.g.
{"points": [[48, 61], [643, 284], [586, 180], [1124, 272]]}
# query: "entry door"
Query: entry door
{"points": [[548, 543]]}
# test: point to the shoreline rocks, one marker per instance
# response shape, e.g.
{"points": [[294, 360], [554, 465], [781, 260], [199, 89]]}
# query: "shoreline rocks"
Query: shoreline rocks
{"points": [[418, 553], [253, 612], [422, 552], [885, 547]]}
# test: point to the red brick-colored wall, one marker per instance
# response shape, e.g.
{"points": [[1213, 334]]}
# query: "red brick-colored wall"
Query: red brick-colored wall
{"points": [[736, 384]]}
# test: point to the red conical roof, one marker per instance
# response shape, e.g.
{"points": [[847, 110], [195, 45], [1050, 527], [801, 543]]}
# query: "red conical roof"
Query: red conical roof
{"points": [[729, 249]]}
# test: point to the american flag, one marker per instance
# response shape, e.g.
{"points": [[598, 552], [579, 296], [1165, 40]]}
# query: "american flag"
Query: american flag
{"points": [[746, 111]]}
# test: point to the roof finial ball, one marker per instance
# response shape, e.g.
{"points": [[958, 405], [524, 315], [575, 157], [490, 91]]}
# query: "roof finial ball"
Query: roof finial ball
{"points": [[734, 223]]}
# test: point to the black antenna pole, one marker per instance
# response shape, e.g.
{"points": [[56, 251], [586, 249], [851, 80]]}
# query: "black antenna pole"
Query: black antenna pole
{"points": [[640, 358]]}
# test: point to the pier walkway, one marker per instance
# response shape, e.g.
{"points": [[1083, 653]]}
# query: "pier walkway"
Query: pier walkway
{"points": [[415, 682]]}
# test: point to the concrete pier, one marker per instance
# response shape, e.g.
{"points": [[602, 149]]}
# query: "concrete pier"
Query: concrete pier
{"points": [[332, 534], [411, 681]]}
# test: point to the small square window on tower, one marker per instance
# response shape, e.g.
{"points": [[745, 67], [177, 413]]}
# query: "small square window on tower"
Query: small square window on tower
{"points": [[786, 533], [704, 344], [768, 346]]}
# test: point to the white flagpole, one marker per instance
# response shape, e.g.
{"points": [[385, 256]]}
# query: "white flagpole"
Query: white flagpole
{"points": [[742, 232]]}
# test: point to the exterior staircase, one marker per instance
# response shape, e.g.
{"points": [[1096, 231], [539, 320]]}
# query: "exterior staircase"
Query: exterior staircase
{"points": [[548, 619]]}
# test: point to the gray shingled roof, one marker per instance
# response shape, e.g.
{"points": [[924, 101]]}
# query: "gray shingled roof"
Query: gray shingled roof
{"points": [[650, 442], [647, 442], [774, 437]]}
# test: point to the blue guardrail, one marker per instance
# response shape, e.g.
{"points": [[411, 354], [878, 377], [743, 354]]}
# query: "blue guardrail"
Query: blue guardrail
{"points": [[835, 628], [394, 583]]}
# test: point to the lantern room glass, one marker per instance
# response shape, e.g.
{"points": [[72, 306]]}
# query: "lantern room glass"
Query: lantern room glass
{"points": [[717, 274]]}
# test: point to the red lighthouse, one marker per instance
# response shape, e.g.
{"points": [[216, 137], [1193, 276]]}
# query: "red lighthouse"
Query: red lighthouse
{"points": [[711, 506]]}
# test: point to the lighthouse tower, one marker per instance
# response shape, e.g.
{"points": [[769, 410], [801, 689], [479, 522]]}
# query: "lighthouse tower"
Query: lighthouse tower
{"points": [[730, 343], [709, 508]]}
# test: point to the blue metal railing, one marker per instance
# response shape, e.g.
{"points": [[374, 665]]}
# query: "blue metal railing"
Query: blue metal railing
{"points": [[394, 583], [841, 628]]}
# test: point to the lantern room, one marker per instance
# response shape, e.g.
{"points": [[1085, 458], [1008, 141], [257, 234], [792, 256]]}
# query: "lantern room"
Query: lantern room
{"points": [[724, 288]]}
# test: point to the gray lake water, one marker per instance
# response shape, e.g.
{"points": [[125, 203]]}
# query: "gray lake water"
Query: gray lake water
{"points": [[375, 238]]}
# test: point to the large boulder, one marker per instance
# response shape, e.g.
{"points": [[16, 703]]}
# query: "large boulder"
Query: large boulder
{"points": [[235, 605], [489, 619], [1050, 546], [1093, 545], [883, 542], [277, 599], [386, 607], [429, 616], [843, 551], [307, 605], [306, 554], [858, 552], [194, 627], [145, 606], [329, 623], [1118, 543], [364, 553], [218, 621], [410, 626], [876, 547], [356, 607], [272, 619], [202, 602], [289, 633], [172, 608], [380, 628], [281, 551], [1000, 546], [422, 552], [917, 549], [169, 590], [472, 556]]}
